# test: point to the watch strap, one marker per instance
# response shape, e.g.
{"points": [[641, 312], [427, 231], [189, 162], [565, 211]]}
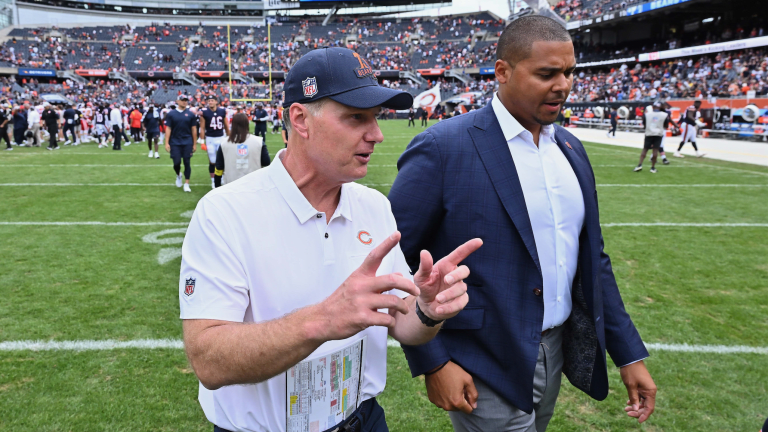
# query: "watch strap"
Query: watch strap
{"points": [[427, 321]]}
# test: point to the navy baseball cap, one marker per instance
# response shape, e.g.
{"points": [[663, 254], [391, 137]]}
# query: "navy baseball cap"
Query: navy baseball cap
{"points": [[342, 75]]}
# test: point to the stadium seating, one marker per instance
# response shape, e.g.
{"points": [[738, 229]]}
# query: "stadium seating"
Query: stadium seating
{"points": [[153, 56], [389, 44]]}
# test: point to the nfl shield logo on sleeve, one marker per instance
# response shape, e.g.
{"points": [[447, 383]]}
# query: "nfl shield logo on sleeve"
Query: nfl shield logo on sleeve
{"points": [[310, 87], [189, 287], [242, 150]]}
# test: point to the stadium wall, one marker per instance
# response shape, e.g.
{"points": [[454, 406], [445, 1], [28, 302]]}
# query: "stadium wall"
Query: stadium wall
{"points": [[44, 15]]}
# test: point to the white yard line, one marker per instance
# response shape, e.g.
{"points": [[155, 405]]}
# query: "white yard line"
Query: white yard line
{"points": [[42, 223], [649, 185], [681, 185], [166, 166], [666, 224], [90, 345], [99, 184], [188, 214], [101, 345]]}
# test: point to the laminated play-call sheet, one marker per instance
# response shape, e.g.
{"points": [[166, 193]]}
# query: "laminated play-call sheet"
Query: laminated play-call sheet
{"points": [[322, 391]]}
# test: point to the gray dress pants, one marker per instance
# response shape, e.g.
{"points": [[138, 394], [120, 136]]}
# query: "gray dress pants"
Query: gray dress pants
{"points": [[496, 414]]}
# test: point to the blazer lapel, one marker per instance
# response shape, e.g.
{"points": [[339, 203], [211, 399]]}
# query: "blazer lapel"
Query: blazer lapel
{"points": [[497, 159]]}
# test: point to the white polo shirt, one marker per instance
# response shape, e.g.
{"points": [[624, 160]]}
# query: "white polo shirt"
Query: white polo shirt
{"points": [[258, 250]]}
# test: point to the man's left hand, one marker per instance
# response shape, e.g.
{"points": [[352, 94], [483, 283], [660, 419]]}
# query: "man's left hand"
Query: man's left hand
{"points": [[641, 390], [443, 291]]}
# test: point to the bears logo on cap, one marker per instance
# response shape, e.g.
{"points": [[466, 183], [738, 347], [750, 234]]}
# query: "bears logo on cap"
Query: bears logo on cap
{"points": [[310, 87], [365, 69]]}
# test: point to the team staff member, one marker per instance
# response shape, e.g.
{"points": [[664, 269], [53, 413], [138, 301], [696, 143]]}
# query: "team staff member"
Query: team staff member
{"points": [[135, 121], [116, 119], [20, 124], [4, 120], [181, 139], [656, 121], [411, 117], [248, 318], [151, 121], [567, 116], [214, 130], [284, 133], [542, 294], [242, 152], [613, 116], [424, 117], [51, 119], [70, 120], [260, 117], [33, 119]]}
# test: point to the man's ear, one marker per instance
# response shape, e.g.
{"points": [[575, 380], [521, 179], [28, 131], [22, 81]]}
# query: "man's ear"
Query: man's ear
{"points": [[503, 71], [299, 115]]}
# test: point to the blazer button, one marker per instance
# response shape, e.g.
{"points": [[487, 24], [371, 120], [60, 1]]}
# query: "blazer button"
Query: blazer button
{"points": [[537, 291]]}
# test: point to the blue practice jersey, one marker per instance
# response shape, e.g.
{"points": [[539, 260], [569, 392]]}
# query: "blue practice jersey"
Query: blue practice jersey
{"points": [[214, 122]]}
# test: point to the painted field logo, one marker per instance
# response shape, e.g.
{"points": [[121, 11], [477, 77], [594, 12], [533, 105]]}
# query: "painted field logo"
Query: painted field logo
{"points": [[189, 287], [310, 87], [242, 150], [365, 237]]}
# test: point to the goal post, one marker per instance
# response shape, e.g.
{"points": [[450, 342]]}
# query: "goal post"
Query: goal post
{"points": [[232, 88]]}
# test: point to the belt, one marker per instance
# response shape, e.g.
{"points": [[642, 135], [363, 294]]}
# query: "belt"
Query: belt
{"points": [[354, 423], [545, 332]]}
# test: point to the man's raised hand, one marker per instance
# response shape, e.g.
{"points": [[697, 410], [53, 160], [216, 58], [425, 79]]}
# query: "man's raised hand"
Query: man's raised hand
{"points": [[443, 291], [354, 306]]}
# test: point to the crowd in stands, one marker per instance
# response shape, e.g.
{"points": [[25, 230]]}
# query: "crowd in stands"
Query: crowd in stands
{"points": [[160, 91], [718, 31], [585, 9], [387, 44], [727, 74]]}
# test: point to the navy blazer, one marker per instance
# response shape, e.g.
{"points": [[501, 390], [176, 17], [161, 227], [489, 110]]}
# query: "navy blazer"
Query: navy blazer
{"points": [[457, 181]]}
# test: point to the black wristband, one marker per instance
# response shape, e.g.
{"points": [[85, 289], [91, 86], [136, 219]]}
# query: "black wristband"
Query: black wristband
{"points": [[427, 321]]}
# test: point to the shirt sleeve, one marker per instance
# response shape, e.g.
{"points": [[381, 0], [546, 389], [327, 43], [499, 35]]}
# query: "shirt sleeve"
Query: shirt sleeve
{"points": [[399, 264], [168, 120], [212, 282]]}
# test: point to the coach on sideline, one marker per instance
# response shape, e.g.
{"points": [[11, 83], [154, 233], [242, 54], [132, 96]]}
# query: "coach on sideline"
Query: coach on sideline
{"points": [[296, 259], [542, 294]]}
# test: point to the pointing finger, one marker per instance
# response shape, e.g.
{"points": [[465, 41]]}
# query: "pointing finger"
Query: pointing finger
{"points": [[372, 262], [462, 252]]}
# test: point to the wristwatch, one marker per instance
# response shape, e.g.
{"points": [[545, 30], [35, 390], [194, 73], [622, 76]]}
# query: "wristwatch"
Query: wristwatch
{"points": [[427, 321]]}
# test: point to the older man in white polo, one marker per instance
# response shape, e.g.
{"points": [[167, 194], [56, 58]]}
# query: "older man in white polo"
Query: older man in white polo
{"points": [[292, 277]]}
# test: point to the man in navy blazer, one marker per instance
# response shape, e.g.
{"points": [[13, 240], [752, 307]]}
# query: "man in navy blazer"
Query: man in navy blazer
{"points": [[542, 294]]}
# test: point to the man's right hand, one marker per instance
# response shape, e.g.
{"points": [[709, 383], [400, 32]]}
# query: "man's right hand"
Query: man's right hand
{"points": [[167, 147], [354, 306], [452, 389]]}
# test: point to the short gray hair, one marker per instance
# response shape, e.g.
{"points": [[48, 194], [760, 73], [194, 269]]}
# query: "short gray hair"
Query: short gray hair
{"points": [[313, 107]]}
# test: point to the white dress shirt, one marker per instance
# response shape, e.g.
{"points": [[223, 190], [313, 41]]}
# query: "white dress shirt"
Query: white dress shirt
{"points": [[555, 207], [115, 117], [256, 250], [33, 117]]}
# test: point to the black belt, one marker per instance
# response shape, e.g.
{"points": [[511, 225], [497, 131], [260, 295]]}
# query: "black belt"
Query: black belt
{"points": [[354, 423]]}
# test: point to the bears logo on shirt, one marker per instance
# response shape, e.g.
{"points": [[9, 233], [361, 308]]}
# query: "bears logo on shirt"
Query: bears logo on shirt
{"points": [[365, 237]]}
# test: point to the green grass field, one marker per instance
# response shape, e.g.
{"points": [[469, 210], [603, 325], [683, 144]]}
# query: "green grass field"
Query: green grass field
{"points": [[681, 284]]}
